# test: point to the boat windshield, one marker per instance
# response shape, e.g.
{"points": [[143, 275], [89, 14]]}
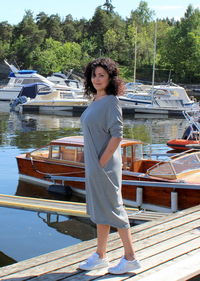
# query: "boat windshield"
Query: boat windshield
{"points": [[174, 168], [60, 152]]}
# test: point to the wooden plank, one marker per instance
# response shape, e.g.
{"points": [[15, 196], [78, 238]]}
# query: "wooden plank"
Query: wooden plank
{"points": [[62, 259], [169, 255], [113, 253], [178, 271], [90, 244], [51, 266]]}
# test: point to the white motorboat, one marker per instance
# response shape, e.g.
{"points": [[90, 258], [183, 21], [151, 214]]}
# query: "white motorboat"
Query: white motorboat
{"points": [[59, 78], [159, 99], [40, 97], [19, 78]]}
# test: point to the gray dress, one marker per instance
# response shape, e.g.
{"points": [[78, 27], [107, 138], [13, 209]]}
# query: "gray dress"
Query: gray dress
{"points": [[101, 121]]}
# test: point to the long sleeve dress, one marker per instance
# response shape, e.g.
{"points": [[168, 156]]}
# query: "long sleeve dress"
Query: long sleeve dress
{"points": [[101, 121]]}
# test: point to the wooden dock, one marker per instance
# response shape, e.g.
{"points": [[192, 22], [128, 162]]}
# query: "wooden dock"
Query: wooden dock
{"points": [[66, 207], [168, 248]]}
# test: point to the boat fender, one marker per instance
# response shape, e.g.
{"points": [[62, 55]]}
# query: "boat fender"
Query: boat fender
{"points": [[60, 189]]}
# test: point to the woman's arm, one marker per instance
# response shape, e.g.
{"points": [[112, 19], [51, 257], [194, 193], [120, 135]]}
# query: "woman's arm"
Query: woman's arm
{"points": [[109, 151]]}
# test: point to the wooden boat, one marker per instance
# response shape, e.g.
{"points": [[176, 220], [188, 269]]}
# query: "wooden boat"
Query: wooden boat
{"points": [[160, 185]]}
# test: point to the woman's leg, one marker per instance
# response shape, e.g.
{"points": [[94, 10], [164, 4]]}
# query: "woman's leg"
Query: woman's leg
{"points": [[103, 231], [125, 235]]}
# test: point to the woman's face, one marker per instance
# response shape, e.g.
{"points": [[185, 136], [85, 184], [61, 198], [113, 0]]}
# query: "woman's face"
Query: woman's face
{"points": [[100, 79]]}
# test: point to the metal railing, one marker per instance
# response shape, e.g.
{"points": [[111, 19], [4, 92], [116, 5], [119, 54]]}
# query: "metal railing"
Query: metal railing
{"points": [[174, 185]]}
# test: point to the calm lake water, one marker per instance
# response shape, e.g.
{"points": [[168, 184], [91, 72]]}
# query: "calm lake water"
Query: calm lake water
{"points": [[25, 234]]}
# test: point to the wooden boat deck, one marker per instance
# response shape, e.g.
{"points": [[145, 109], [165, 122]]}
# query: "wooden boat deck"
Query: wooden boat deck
{"points": [[66, 208], [168, 248]]}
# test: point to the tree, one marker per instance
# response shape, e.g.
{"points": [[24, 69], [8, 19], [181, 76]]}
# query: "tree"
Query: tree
{"points": [[142, 15], [110, 44], [69, 30], [99, 25], [26, 37], [108, 6], [54, 28], [184, 57], [5, 31], [56, 56]]}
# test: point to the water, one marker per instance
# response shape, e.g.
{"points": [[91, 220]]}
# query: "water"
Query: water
{"points": [[25, 234]]}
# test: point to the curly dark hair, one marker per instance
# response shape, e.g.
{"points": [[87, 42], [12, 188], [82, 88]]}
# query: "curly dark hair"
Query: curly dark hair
{"points": [[115, 86]]}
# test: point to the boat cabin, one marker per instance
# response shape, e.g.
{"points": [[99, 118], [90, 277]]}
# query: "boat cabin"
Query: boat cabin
{"points": [[70, 150]]}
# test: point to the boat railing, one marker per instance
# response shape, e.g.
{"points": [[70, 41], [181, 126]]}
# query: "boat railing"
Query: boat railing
{"points": [[174, 185]]}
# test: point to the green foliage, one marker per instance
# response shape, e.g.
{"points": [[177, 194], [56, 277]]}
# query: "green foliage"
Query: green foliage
{"points": [[4, 50], [55, 56], [50, 44]]}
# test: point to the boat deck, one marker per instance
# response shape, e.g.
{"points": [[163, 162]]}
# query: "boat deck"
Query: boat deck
{"points": [[168, 248]]}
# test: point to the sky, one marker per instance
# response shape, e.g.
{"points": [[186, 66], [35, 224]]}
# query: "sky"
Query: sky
{"points": [[13, 11]]}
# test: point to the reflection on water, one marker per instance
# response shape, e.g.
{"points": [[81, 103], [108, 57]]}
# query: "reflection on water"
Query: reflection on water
{"points": [[80, 228], [76, 227], [5, 260], [26, 234], [154, 130], [32, 130]]}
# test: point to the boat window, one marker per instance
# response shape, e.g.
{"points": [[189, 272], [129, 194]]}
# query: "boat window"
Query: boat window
{"points": [[55, 151], [72, 153], [162, 170], [161, 92], [191, 162], [173, 168], [138, 152], [30, 81], [18, 81], [42, 152], [129, 151]]}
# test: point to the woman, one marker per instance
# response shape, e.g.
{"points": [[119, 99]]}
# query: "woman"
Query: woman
{"points": [[102, 129]]}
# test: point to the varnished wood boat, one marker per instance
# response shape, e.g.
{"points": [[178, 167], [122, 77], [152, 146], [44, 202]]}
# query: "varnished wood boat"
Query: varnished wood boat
{"points": [[65, 157]]}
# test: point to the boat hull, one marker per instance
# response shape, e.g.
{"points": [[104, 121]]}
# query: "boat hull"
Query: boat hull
{"points": [[181, 144], [153, 198]]}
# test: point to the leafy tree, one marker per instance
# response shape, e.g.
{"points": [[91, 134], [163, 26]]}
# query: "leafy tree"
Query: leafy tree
{"points": [[184, 57], [100, 24], [142, 15], [54, 28], [50, 44], [108, 6], [56, 56], [110, 44], [5, 31], [69, 30], [4, 50], [26, 37]]}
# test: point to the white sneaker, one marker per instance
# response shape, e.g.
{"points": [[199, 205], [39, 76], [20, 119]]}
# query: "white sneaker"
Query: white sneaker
{"points": [[94, 262], [124, 266]]}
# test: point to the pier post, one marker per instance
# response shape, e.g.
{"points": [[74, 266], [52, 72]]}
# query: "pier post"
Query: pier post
{"points": [[174, 201], [139, 196]]}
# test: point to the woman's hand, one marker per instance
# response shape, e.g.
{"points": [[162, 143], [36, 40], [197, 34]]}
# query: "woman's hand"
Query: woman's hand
{"points": [[109, 151]]}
